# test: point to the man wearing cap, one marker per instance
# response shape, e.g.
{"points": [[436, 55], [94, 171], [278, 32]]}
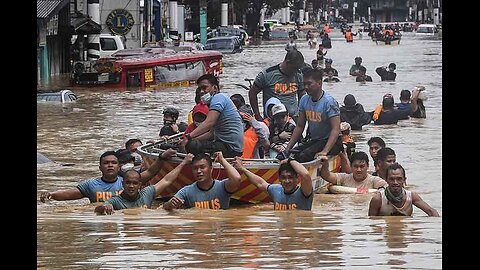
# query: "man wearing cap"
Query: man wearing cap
{"points": [[386, 114], [387, 74], [353, 113], [322, 112], [109, 184], [283, 81], [223, 123], [328, 67], [355, 69], [281, 130]]}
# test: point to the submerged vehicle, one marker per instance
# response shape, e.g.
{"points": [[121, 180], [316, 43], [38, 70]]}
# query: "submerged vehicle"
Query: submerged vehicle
{"points": [[226, 45], [148, 67], [62, 96]]}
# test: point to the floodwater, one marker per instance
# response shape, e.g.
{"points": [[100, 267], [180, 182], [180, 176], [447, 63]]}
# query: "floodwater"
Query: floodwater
{"points": [[336, 234]]}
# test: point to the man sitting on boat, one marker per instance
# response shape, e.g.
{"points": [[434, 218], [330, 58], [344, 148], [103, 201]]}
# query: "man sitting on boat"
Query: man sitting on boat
{"points": [[359, 178], [223, 123], [206, 192], [322, 112], [109, 184], [387, 74], [287, 195], [395, 200], [132, 196]]}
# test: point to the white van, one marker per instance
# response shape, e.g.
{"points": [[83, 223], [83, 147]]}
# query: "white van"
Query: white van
{"points": [[426, 30], [110, 44]]}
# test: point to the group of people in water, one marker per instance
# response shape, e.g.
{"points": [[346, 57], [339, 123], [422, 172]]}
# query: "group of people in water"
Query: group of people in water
{"points": [[222, 127]]}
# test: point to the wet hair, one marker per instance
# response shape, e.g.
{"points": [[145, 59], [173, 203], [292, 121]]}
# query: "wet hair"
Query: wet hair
{"points": [[197, 95], [359, 156], [108, 153], [286, 167], [238, 100], [383, 153], [210, 78], [129, 171], [294, 57], [378, 140], [201, 156], [405, 95], [131, 141], [396, 166], [315, 74]]}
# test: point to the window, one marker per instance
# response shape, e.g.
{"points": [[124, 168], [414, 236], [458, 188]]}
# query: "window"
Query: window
{"points": [[108, 44]]}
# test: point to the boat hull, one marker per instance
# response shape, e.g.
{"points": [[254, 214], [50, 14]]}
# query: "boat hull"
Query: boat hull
{"points": [[249, 193]]}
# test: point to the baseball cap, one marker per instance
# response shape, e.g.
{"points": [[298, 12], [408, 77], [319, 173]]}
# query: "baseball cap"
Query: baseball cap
{"points": [[279, 108], [345, 126]]}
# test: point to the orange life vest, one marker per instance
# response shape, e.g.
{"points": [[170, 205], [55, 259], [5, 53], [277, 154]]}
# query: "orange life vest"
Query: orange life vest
{"points": [[250, 140], [348, 36], [377, 112]]}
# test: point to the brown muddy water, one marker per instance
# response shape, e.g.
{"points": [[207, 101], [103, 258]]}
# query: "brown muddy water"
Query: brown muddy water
{"points": [[336, 234]]}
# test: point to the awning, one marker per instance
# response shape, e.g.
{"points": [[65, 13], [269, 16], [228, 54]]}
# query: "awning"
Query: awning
{"points": [[48, 8], [84, 25]]}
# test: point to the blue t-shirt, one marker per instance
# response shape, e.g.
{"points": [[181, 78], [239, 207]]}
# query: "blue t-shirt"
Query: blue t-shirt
{"points": [[294, 200], [318, 114], [407, 107], [145, 199], [97, 190], [217, 197], [274, 83], [229, 127]]}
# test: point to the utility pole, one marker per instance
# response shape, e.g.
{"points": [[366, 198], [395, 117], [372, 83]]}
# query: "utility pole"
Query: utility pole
{"points": [[203, 21]]}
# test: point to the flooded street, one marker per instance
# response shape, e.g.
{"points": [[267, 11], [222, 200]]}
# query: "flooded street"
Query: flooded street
{"points": [[336, 234]]}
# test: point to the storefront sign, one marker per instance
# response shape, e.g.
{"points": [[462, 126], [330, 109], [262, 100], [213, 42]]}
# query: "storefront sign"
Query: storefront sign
{"points": [[120, 21]]}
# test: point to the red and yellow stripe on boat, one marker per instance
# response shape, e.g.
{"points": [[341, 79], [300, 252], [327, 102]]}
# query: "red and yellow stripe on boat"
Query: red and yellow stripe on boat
{"points": [[247, 191]]}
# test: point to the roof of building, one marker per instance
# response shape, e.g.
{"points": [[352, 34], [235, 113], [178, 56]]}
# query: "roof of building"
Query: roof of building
{"points": [[48, 8]]}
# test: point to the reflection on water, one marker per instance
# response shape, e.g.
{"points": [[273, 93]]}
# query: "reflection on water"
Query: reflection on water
{"points": [[336, 234]]}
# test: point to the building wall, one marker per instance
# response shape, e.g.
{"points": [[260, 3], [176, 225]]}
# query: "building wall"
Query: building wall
{"points": [[132, 37]]}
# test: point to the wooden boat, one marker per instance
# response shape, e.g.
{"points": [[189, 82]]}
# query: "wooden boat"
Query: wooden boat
{"points": [[265, 168], [149, 67]]}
